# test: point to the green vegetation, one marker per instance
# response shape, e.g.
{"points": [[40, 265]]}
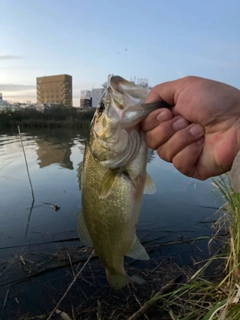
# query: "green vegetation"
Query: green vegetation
{"points": [[59, 116], [231, 219]]}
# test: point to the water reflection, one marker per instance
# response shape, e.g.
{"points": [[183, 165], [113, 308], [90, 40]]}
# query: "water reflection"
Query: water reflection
{"points": [[56, 149], [49, 153]]}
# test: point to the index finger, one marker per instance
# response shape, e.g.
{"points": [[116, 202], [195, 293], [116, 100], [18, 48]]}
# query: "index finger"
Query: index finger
{"points": [[164, 91]]}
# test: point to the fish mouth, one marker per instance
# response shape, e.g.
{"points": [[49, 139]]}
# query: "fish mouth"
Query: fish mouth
{"points": [[124, 103], [116, 83], [132, 91]]}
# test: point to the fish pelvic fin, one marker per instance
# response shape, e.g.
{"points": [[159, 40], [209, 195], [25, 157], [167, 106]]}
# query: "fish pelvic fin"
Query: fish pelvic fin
{"points": [[117, 281], [83, 231], [137, 251], [149, 186]]}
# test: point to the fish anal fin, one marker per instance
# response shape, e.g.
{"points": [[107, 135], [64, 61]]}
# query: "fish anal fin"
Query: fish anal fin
{"points": [[137, 251], [149, 186], [137, 279], [83, 231]]}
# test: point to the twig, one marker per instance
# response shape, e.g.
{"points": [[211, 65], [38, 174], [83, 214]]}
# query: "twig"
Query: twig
{"points": [[70, 261], [5, 300], [29, 217], [36, 274], [26, 163], [13, 260], [70, 286], [147, 305]]}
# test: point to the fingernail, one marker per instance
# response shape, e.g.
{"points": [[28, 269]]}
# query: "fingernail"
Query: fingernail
{"points": [[163, 116], [196, 130], [180, 124]]}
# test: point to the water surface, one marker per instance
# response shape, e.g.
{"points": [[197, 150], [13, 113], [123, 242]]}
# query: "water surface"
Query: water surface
{"points": [[179, 205]]}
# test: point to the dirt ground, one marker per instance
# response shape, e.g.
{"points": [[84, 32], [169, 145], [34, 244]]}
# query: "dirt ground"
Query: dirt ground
{"points": [[32, 281]]}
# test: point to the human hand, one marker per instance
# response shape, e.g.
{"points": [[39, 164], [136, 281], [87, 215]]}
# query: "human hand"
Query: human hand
{"points": [[201, 133]]}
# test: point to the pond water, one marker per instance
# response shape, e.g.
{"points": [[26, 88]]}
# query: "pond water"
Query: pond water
{"points": [[53, 157], [181, 208]]}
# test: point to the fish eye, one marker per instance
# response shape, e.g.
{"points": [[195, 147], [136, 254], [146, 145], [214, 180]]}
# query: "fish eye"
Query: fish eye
{"points": [[101, 108]]}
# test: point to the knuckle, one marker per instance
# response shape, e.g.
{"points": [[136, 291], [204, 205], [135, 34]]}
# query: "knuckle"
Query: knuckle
{"points": [[183, 168], [164, 155]]}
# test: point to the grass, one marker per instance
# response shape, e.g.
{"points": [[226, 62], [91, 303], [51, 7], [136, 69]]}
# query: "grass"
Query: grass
{"points": [[231, 220], [200, 299]]}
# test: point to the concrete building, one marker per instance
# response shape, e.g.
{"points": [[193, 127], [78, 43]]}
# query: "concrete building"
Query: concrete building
{"points": [[96, 96], [55, 89], [142, 82], [85, 99]]}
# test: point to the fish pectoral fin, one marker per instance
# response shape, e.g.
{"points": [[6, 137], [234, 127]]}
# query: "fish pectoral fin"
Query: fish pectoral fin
{"points": [[79, 175], [149, 186], [137, 251], [107, 183], [83, 231]]}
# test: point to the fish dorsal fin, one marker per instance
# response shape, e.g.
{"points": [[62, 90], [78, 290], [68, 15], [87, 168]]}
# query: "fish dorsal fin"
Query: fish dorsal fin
{"points": [[137, 251], [107, 184], [83, 231], [149, 186], [79, 174]]}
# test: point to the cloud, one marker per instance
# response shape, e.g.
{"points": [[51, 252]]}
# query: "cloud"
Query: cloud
{"points": [[10, 57], [21, 68], [20, 96], [16, 87]]}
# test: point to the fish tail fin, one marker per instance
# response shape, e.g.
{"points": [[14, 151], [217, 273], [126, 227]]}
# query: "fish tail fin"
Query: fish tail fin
{"points": [[117, 281]]}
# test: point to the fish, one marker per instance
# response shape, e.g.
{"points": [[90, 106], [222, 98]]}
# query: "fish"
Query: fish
{"points": [[113, 178]]}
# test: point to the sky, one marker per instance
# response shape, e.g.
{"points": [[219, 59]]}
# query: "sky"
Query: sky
{"points": [[161, 40]]}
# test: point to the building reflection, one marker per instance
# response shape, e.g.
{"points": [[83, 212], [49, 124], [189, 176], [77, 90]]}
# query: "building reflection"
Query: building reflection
{"points": [[57, 150], [50, 152]]}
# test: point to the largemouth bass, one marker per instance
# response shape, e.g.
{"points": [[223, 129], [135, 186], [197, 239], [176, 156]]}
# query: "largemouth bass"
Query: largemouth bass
{"points": [[113, 178]]}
